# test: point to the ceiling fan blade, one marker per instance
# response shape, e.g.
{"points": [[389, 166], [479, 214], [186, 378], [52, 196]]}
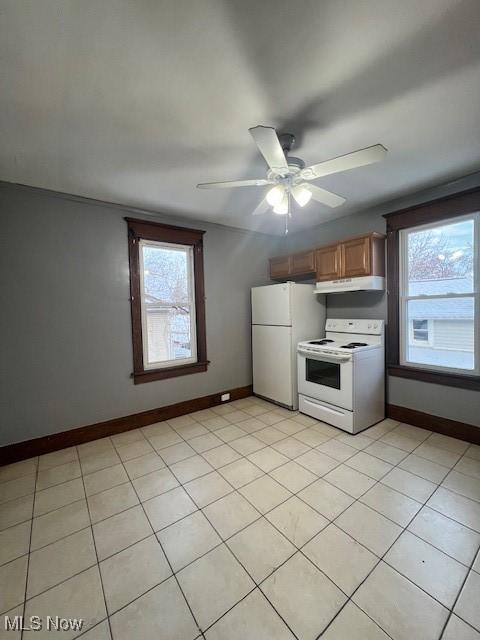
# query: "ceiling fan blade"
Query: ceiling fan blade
{"points": [[352, 160], [269, 145], [263, 207], [260, 182], [324, 196]]}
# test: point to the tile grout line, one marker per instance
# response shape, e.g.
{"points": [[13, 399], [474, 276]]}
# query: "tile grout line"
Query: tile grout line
{"points": [[450, 614], [74, 575], [222, 542], [382, 560], [173, 574], [97, 563], [331, 522], [29, 551], [96, 554], [298, 549]]}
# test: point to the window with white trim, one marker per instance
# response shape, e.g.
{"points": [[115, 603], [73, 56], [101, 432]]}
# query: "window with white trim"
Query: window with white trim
{"points": [[439, 296]]}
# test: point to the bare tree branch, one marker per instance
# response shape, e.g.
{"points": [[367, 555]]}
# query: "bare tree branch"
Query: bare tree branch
{"points": [[430, 257]]}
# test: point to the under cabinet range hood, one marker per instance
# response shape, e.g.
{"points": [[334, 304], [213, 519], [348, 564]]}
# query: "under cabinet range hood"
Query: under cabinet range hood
{"points": [[361, 283]]}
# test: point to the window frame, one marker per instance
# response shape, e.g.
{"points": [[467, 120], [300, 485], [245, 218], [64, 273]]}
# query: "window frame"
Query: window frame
{"points": [[404, 297], [411, 333], [452, 207], [191, 276], [149, 231]]}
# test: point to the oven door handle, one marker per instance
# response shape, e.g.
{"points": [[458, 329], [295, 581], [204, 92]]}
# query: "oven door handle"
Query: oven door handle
{"points": [[324, 357]]}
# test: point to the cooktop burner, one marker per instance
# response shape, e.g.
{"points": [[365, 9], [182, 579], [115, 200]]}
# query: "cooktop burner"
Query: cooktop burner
{"points": [[353, 345], [323, 341]]}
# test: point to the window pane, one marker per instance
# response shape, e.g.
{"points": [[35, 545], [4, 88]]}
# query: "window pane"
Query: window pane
{"points": [[166, 302], [420, 335], [448, 332], [440, 260], [420, 324]]}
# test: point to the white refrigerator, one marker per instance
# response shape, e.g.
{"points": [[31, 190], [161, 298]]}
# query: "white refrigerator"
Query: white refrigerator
{"points": [[282, 316]]}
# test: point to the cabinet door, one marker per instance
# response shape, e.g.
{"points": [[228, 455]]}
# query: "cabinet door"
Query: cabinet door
{"points": [[328, 263], [303, 263], [280, 268], [356, 257]]}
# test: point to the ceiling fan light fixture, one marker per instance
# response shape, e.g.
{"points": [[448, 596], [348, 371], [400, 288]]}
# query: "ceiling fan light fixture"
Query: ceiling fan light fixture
{"points": [[281, 208], [275, 195], [302, 194]]}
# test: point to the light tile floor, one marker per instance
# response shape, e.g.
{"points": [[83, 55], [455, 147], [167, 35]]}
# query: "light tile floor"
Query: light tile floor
{"points": [[247, 521]]}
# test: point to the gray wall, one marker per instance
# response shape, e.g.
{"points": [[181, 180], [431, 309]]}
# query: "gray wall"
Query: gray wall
{"points": [[448, 402], [65, 314], [66, 342]]}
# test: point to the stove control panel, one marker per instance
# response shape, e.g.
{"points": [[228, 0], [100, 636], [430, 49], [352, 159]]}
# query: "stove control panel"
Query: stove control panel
{"points": [[367, 327]]}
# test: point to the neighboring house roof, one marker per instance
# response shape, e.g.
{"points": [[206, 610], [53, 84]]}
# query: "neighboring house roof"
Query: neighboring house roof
{"points": [[156, 304], [149, 299], [433, 287], [441, 309]]}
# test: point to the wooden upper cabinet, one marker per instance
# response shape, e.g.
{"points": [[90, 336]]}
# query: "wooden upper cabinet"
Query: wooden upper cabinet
{"points": [[353, 258], [280, 268], [328, 261], [356, 257], [303, 263], [363, 256], [377, 254], [295, 266]]}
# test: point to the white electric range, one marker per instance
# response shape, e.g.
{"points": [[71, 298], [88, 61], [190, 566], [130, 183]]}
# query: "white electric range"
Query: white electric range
{"points": [[341, 378]]}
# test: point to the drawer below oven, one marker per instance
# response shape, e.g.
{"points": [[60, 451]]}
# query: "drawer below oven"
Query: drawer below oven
{"points": [[336, 416]]}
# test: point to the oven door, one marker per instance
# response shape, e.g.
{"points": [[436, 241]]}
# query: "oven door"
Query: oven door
{"points": [[326, 377]]}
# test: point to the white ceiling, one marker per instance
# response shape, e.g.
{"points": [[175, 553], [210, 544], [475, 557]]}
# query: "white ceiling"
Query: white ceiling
{"points": [[137, 101]]}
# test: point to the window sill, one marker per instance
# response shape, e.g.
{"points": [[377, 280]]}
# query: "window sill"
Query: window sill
{"points": [[169, 372], [435, 377]]}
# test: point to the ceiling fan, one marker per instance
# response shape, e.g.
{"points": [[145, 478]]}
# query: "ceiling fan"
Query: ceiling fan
{"points": [[290, 177]]}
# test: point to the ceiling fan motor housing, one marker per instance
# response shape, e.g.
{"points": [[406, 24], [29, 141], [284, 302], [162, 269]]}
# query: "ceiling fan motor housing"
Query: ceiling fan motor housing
{"points": [[287, 141], [296, 164]]}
